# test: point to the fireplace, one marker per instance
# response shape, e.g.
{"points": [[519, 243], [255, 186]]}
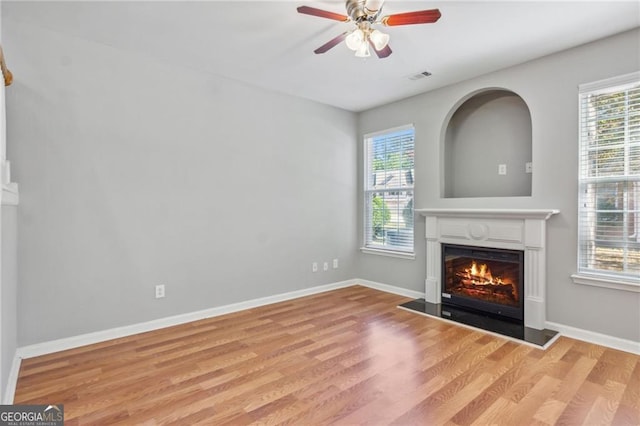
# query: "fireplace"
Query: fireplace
{"points": [[508, 283], [503, 229], [488, 280]]}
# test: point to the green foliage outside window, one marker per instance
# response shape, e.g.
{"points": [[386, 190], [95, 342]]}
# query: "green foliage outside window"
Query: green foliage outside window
{"points": [[381, 215], [394, 161]]}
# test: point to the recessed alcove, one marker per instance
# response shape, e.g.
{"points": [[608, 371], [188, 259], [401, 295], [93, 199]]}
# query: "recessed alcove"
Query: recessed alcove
{"points": [[486, 130]]}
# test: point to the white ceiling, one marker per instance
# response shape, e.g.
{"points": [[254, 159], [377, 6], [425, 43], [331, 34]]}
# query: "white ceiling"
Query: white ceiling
{"points": [[268, 44]]}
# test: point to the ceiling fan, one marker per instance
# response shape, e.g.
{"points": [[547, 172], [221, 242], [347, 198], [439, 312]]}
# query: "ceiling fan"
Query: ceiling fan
{"points": [[365, 14]]}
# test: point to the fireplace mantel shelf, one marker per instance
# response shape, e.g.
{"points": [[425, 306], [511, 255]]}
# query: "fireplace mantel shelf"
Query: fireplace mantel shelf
{"points": [[540, 214]]}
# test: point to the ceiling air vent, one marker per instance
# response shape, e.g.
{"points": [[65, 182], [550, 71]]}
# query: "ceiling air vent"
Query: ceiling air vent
{"points": [[420, 75]]}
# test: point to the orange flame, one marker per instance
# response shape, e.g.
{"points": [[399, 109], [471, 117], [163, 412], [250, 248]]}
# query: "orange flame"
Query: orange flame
{"points": [[483, 272]]}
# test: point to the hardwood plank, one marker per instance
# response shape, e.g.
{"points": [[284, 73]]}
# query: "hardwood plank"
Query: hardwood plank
{"points": [[549, 411], [606, 405], [579, 406], [345, 357], [631, 395], [507, 372]]}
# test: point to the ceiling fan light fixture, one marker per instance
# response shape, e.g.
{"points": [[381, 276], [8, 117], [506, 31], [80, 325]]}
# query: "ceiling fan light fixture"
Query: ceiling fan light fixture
{"points": [[365, 14], [373, 6], [379, 39], [355, 39], [363, 50]]}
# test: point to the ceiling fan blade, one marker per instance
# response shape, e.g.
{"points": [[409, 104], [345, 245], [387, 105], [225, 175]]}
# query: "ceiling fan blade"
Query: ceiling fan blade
{"points": [[331, 43], [322, 13], [382, 53], [409, 18]]}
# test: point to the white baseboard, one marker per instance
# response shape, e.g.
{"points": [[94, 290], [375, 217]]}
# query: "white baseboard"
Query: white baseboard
{"points": [[597, 338], [390, 288], [44, 348], [12, 381], [565, 330], [115, 333]]}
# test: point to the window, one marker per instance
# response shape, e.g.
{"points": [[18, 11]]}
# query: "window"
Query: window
{"points": [[609, 209], [388, 192]]}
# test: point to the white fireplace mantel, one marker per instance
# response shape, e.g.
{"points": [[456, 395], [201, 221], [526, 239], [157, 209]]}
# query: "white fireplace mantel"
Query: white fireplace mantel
{"points": [[491, 213], [514, 229]]}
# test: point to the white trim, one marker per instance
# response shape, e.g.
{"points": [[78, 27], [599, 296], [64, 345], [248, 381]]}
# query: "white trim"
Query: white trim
{"points": [[606, 282], [391, 130], [596, 338], [44, 348], [389, 253], [606, 83], [12, 380], [390, 288], [90, 338], [587, 210], [10, 194], [367, 140], [128, 330], [490, 213]]}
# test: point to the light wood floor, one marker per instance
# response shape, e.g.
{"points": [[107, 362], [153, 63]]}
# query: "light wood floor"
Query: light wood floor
{"points": [[348, 356]]}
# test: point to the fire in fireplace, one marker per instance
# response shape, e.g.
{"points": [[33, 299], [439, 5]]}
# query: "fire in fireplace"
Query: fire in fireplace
{"points": [[484, 279]]}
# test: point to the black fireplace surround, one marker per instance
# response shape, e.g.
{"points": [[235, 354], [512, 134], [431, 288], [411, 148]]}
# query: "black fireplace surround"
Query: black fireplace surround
{"points": [[484, 280]]}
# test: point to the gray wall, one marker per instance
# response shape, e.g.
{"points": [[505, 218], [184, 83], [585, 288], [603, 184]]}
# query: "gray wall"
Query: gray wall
{"points": [[489, 129], [135, 172], [549, 87], [8, 292]]}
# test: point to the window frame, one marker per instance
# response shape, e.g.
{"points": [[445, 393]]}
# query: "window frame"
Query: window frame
{"points": [[588, 216], [384, 250]]}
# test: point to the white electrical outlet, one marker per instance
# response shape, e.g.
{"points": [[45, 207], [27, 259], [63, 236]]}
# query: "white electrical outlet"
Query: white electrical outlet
{"points": [[325, 266], [314, 266], [502, 169], [335, 263], [528, 167], [160, 291]]}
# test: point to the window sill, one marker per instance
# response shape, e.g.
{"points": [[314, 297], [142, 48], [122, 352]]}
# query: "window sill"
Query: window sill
{"points": [[603, 281], [389, 253]]}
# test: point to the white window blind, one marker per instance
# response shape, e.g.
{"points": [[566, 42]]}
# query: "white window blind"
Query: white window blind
{"points": [[609, 209], [388, 190]]}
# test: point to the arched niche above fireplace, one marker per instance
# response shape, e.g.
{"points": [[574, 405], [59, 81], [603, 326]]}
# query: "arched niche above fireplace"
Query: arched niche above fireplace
{"points": [[487, 131]]}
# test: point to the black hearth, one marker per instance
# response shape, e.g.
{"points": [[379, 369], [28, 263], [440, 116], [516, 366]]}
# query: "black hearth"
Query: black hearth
{"points": [[485, 280], [483, 288]]}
